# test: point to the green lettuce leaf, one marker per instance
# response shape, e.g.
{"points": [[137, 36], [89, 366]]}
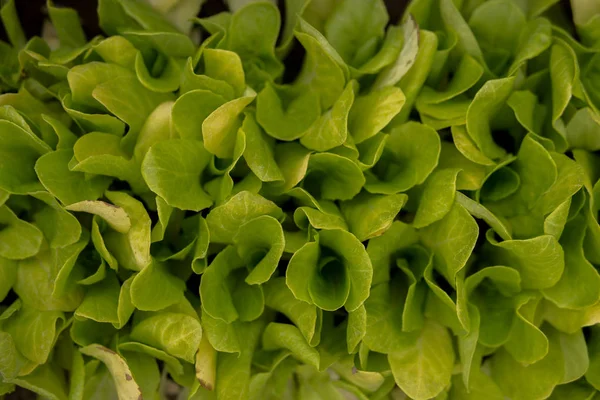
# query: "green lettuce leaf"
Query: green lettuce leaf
{"points": [[336, 257]]}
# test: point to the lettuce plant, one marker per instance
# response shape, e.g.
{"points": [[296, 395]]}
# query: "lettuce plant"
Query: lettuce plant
{"points": [[409, 212]]}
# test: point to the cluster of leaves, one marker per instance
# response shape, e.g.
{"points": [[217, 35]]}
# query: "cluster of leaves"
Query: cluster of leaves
{"points": [[414, 214]]}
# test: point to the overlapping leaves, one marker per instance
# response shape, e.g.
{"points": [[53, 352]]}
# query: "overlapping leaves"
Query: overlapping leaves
{"points": [[416, 211]]}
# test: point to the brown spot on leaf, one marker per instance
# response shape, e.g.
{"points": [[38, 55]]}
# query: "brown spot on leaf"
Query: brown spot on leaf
{"points": [[109, 204], [128, 377], [106, 350], [206, 385]]}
